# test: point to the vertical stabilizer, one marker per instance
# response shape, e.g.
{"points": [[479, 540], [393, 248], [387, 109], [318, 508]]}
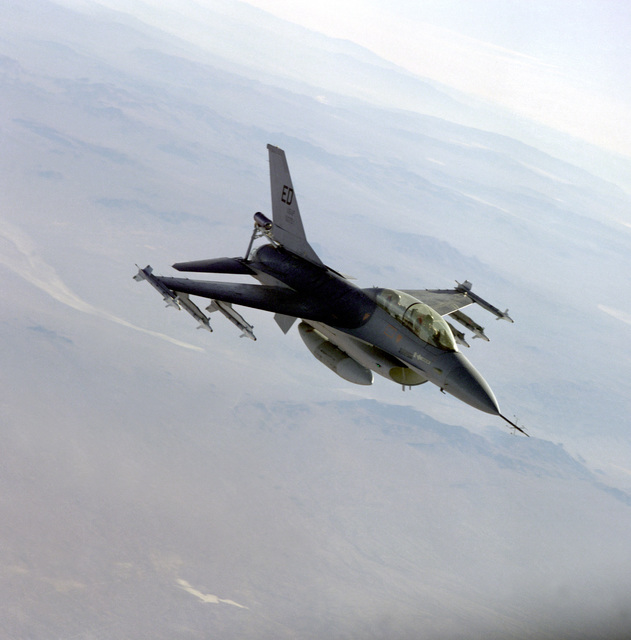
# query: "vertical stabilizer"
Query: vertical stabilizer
{"points": [[288, 230]]}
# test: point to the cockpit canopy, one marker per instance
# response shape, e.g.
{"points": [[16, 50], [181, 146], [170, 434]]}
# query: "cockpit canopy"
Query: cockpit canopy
{"points": [[421, 319]]}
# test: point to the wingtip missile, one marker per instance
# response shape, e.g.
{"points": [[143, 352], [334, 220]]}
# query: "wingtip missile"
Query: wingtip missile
{"points": [[465, 288], [170, 297]]}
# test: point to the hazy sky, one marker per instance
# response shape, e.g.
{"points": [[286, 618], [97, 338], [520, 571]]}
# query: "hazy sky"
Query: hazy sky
{"points": [[153, 488], [565, 64]]}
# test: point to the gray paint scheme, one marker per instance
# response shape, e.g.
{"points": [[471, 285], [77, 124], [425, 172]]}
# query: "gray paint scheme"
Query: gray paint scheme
{"points": [[399, 335]]}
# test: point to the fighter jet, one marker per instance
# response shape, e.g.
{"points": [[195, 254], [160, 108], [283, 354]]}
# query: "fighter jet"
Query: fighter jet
{"points": [[401, 335]]}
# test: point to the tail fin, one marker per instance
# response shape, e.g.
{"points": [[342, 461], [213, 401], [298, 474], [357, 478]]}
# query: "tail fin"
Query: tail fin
{"points": [[288, 229]]}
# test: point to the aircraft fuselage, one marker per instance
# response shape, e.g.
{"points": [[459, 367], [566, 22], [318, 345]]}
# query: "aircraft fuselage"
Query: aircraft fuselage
{"points": [[341, 302], [401, 335], [349, 314]]}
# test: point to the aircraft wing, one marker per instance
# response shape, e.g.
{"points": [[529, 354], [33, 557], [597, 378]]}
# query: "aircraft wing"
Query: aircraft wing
{"points": [[267, 298], [448, 302], [444, 301]]}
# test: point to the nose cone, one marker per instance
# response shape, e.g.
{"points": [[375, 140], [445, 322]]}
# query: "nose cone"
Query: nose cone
{"points": [[466, 384]]}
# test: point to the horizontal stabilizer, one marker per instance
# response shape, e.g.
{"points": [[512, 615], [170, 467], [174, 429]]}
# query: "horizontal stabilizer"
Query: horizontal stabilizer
{"points": [[215, 265]]}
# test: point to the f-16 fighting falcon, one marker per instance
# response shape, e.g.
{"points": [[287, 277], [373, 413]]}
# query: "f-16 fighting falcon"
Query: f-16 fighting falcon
{"points": [[400, 335]]}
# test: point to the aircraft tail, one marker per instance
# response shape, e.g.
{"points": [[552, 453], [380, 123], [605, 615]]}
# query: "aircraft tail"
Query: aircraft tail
{"points": [[288, 229]]}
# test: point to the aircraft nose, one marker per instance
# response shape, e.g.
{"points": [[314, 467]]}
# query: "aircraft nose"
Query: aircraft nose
{"points": [[466, 384]]}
